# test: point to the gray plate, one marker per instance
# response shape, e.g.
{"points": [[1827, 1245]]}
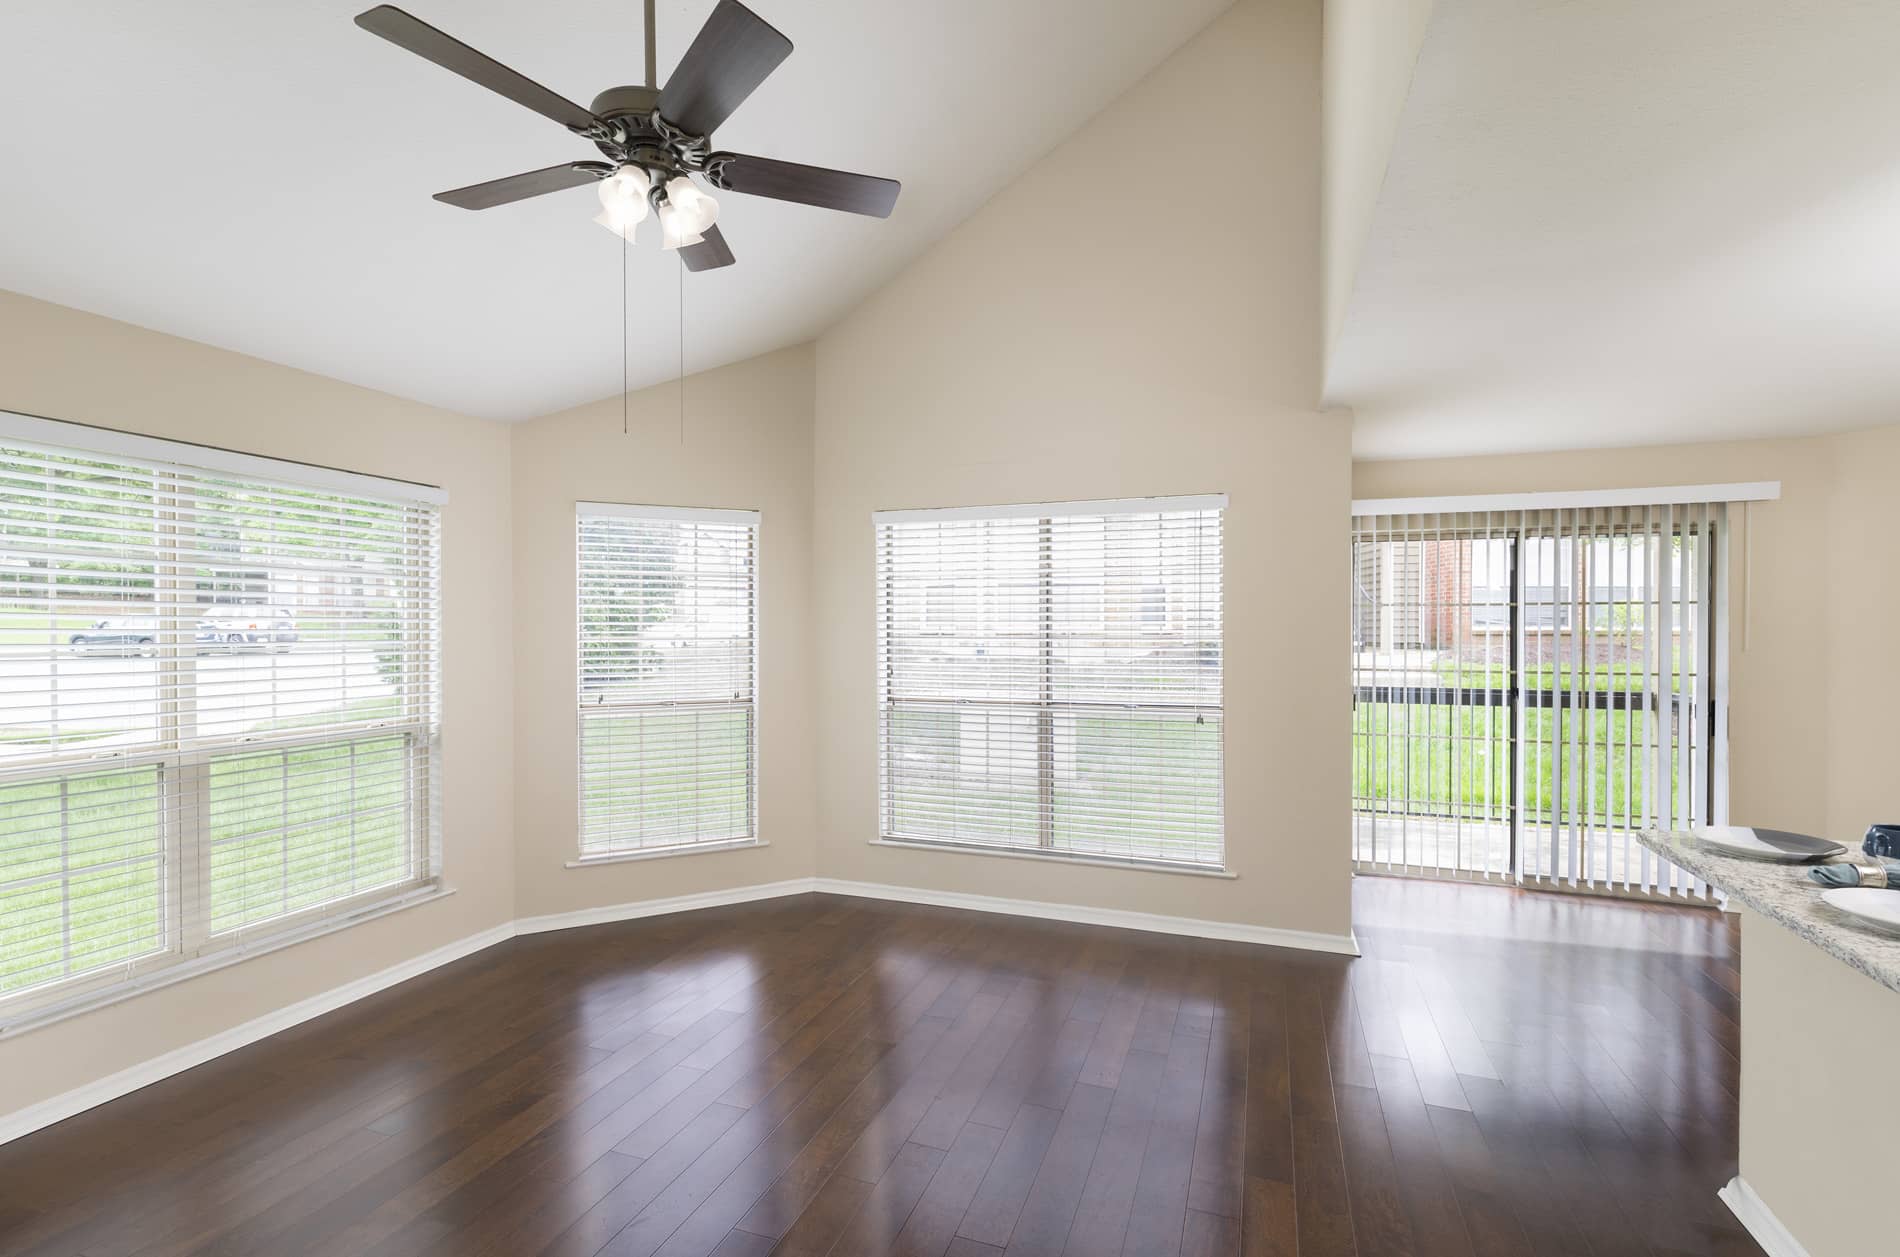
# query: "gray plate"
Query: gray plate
{"points": [[1876, 908], [1776, 846]]}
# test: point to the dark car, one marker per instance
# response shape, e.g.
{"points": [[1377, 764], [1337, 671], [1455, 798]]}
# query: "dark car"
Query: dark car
{"points": [[118, 635]]}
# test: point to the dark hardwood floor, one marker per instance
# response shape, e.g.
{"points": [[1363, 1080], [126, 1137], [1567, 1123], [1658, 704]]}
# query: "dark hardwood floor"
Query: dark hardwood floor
{"points": [[1501, 1073]]}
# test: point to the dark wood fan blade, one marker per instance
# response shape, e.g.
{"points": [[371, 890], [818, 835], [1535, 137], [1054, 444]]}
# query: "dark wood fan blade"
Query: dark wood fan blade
{"points": [[495, 192], [426, 41], [808, 185], [729, 58], [709, 254]]}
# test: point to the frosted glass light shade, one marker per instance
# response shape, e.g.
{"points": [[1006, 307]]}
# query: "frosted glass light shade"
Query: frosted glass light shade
{"points": [[675, 228], [699, 210], [623, 201]]}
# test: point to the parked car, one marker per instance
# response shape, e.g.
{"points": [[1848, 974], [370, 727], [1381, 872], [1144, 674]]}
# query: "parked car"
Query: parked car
{"points": [[118, 635], [248, 628]]}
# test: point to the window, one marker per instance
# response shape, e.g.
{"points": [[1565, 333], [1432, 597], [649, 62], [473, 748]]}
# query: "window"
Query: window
{"points": [[218, 719], [667, 665], [1532, 688], [1072, 704]]}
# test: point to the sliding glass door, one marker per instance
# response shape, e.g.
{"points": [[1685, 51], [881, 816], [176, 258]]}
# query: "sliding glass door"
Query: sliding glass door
{"points": [[1530, 689]]}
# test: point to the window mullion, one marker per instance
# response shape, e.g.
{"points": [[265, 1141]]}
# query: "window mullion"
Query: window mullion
{"points": [[1045, 712], [417, 685], [184, 784]]}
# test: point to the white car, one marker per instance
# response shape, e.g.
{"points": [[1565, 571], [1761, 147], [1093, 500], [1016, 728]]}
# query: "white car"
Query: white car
{"points": [[247, 628]]}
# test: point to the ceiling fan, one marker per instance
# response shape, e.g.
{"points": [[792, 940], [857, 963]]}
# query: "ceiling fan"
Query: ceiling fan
{"points": [[655, 139]]}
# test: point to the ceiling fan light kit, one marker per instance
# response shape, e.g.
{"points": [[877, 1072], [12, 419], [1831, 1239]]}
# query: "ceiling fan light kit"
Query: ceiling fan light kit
{"points": [[656, 140]]}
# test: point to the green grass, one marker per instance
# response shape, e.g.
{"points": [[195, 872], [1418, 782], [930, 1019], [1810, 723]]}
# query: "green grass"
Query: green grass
{"points": [[285, 835], [34, 736], [36, 628], [107, 913], [292, 829], [361, 711], [1098, 804], [36, 618], [1438, 759], [656, 778]]}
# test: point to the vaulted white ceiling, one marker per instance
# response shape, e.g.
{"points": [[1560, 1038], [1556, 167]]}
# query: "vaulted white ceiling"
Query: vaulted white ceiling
{"points": [[258, 176], [1627, 222]]}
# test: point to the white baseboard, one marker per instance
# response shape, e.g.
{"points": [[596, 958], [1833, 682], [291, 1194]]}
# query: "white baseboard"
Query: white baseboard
{"points": [[1305, 940], [60, 1107], [660, 907], [1759, 1220]]}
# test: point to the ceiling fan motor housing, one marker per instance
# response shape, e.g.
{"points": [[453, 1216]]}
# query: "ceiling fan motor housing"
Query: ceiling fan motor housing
{"points": [[637, 134], [618, 101]]}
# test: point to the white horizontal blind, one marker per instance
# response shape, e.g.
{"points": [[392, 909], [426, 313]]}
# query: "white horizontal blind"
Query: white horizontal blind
{"points": [[667, 667], [1532, 688], [218, 710], [1049, 678]]}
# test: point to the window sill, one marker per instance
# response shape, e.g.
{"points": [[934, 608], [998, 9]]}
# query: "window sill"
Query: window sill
{"points": [[666, 853], [223, 958], [1103, 862]]}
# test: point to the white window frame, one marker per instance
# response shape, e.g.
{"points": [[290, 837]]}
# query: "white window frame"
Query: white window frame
{"points": [[887, 701], [191, 947], [584, 856]]}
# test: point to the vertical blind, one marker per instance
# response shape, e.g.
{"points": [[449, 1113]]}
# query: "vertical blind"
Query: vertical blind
{"points": [[1532, 688], [218, 705], [1049, 678], [667, 673]]}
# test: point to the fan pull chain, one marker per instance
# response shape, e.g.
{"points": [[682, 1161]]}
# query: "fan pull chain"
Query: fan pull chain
{"points": [[682, 348], [623, 333]]}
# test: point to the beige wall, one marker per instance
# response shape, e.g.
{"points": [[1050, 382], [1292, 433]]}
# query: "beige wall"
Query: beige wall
{"points": [[1807, 1133], [63, 364], [745, 442], [1862, 562], [1812, 600], [1067, 343]]}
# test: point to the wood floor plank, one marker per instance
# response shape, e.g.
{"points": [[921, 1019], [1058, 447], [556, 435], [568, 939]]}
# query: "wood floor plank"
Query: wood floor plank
{"points": [[1042, 1227], [890, 1130], [991, 1217], [1220, 1128], [1380, 1227], [1502, 1072], [931, 1227], [1108, 1194], [807, 1170], [1322, 1208], [1171, 1159], [889, 1204], [597, 1226], [819, 1224], [955, 1104], [1209, 1235]]}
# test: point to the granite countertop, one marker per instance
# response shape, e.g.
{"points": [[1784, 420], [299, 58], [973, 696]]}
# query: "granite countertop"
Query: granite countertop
{"points": [[1783, 893]]}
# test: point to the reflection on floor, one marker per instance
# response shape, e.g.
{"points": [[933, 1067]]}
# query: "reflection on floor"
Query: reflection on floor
{"points": [[1502, 1072]]}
